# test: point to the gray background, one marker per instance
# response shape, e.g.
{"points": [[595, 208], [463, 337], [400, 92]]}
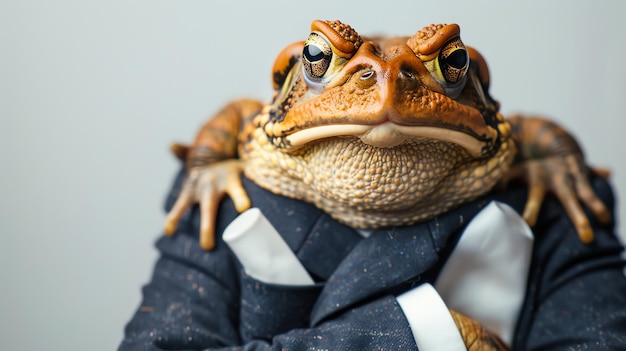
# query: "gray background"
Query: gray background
{"points": [[92, 93]]}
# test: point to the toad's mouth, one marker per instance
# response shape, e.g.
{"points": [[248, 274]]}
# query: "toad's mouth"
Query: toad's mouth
{"points": [[388, 135]]}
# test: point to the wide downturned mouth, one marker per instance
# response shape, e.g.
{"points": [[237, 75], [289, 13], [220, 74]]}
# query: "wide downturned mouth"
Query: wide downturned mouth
{"points": [[387, 135]]}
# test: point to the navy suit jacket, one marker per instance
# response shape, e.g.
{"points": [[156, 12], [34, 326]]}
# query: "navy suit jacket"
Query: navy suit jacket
{"points": [[197, 300]]}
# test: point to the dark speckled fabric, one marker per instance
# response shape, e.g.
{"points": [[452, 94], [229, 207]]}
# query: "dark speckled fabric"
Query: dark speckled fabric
{"points": [[198, 300]]}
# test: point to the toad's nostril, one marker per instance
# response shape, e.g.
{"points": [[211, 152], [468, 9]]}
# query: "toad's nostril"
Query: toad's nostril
{"points": [[407, 75], [407, 80], [367, 75]]}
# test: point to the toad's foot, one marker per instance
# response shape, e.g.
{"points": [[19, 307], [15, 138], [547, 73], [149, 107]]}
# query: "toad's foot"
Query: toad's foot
{"points": [[207, 185], [475, 336], [566, 177]]}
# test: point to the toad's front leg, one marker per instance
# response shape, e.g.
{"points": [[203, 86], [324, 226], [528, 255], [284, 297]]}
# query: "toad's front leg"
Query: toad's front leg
{"points": [[213, 169], [550, 160]]}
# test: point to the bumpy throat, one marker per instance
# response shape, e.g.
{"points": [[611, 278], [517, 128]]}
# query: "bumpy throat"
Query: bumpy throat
{"points": [[370, 187]]}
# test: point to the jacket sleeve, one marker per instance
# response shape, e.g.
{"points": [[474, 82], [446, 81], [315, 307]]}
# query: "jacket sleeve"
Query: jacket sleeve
{"points": [[188, 306], [202, 300], [576, 295], [192, 299]]}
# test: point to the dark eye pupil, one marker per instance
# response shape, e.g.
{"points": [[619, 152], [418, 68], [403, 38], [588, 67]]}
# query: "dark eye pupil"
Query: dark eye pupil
{"points": [[317, 55], [457, 59], [313, 53], [454, 61]]}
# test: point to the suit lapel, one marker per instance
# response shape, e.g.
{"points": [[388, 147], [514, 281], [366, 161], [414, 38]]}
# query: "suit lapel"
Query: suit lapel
{"points": [[319, 242], [391, 260], [326, 246], [293, 219], [355, 268]]}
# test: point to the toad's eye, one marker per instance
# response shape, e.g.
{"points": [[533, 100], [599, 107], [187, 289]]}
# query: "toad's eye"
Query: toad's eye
{"points": [[453, 61], [316, 57]]}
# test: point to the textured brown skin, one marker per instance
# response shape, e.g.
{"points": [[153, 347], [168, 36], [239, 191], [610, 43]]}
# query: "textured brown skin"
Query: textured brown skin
{"points": [[412, 181], [381, 141], [389, 179], [475, 336]]}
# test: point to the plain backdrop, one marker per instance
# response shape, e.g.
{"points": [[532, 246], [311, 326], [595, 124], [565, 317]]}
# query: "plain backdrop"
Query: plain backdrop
{"points": [[93, 92]]}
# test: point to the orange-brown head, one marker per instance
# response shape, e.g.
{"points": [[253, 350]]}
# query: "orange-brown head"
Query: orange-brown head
{"points": [[383, 90], [380, 131]]}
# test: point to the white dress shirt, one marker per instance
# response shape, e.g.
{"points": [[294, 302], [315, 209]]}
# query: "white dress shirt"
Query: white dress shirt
{"points": [[484, 278]]}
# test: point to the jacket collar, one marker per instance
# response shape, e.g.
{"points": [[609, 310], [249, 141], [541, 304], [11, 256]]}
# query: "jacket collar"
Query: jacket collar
{"points": [[393, 260], [358, 268], [320, 242]]}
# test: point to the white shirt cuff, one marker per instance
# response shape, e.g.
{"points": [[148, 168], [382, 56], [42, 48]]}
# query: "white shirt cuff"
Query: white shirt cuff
{"points": [[432, 325]]}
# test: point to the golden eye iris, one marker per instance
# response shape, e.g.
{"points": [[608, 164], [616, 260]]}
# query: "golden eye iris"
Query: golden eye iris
{"points": [[316, 56], [453, 61]]}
